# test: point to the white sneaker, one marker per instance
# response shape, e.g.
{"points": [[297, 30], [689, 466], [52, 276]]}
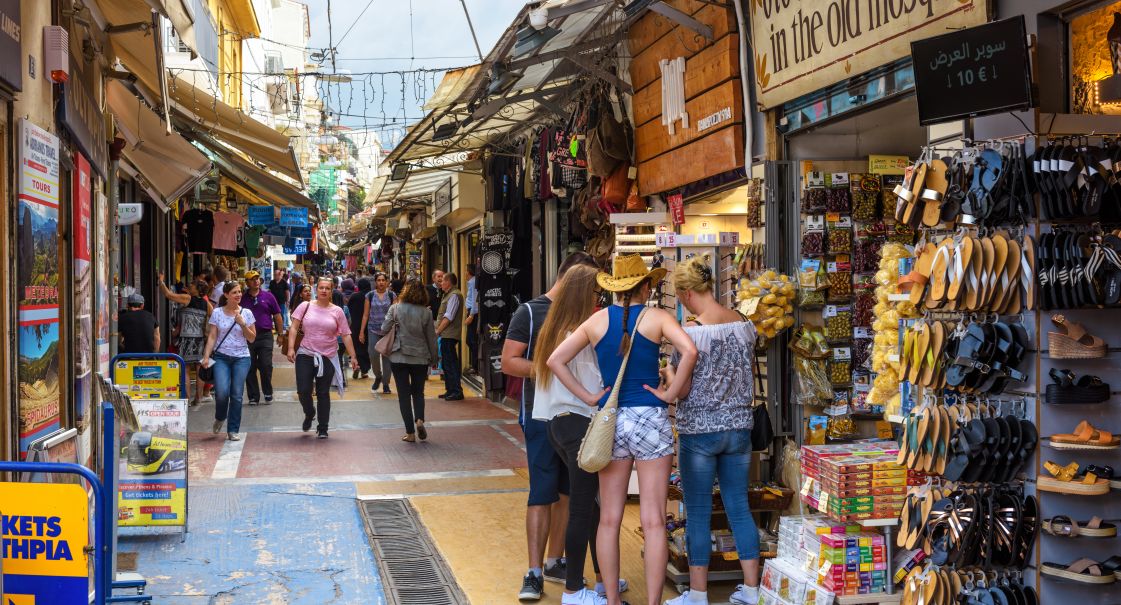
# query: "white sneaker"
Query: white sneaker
{"points": [[683, 600], [583, 597], [623, 586], [745, 595], [233, 436]]}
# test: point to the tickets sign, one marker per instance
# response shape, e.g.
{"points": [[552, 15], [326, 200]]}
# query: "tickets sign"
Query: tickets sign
{"points": [[45, 529], [148, 378], [152, 488]]}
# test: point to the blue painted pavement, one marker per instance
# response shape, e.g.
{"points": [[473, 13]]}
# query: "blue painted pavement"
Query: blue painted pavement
{"points": [[270, 544]]}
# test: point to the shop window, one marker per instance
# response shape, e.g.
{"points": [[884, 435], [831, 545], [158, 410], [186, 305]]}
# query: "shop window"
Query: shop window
{"points": [[1095, 60], [856, 93]]}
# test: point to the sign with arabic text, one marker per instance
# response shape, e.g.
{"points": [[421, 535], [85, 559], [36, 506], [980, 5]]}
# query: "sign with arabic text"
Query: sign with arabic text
{"points": [[804, 45], [971, 72]]}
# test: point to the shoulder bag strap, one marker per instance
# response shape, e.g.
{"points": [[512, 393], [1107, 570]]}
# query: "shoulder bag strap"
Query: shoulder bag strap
{"points": [[217, 346], [613, 397]]}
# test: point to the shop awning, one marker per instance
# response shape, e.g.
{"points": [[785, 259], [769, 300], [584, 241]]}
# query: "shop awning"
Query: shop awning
{"points": [[255, 182], [118, 13], [418, 185], [515, 88], [208, 114], [169, 164]]}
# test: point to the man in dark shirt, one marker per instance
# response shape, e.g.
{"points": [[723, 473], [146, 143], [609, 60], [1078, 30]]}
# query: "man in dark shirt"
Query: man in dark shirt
{"points": [[397, 284], [436, 292], [140, 332], [280, 290], [548, 475], [266, 314]]}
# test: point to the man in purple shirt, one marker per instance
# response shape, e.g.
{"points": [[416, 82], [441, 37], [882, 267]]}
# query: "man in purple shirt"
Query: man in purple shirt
{"points": [[266, 312]]}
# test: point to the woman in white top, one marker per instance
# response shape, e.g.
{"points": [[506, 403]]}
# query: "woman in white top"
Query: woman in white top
{"points": [[228, 335], [568, 419]]}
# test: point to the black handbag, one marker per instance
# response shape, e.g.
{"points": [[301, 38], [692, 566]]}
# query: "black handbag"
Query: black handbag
{"points": [[762, 434], [206, 374]]}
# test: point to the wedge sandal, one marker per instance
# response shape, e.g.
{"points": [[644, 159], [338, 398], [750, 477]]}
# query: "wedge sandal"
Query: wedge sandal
{"points": [[1062, 525], [1066, 480], [1085, 571], [1072, 341], [1085, 437]]}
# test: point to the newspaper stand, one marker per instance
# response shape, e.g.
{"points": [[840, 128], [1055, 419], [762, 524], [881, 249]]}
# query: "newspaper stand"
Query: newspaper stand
{"points": [[104, 498]]}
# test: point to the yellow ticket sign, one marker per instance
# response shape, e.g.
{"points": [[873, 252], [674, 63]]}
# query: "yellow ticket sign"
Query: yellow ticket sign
{"points": [[45, 529], [148, 378], [888, 164]]}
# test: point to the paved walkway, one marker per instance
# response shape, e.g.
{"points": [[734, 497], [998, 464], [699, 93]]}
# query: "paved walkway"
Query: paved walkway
{"points": [[275, 518]]}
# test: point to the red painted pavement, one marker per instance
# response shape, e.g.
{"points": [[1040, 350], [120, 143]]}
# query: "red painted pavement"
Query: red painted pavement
{"points": [[363, 452], [202, 452]]}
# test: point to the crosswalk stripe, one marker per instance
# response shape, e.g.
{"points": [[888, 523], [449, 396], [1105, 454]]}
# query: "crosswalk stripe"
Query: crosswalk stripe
{"points": [[229, 459]]}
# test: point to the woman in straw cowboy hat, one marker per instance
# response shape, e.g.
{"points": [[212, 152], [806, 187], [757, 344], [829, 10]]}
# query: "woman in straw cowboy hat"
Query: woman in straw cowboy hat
{"points": [[643, 435]]}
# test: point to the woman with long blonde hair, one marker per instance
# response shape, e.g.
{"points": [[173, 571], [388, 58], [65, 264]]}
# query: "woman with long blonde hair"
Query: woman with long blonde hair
{"points": [[567, 421], [643, 435]]}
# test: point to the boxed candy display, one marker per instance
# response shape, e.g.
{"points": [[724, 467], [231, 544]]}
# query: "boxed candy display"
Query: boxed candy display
{"points": [[784, 583]]}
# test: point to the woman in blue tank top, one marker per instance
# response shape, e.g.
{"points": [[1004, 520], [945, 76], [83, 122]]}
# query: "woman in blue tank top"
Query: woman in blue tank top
{"points": [[643, 435]]}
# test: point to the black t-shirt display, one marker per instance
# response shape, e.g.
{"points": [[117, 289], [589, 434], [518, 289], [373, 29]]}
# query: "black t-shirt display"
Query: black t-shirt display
{"points": [[198, 226], [137, 330]]}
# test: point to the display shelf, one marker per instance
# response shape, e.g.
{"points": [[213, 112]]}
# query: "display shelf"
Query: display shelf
{"points": [[860, 599]]}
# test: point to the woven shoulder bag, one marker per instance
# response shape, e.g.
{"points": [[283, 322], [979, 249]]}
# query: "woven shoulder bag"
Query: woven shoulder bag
{"points": [[599, 441]]}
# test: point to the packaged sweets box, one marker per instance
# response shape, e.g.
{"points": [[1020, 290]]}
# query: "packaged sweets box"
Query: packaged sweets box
{"points": [[787, 584]]}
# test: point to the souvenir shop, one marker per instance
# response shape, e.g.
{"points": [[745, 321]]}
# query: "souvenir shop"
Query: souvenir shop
{"points": [[957, 260]]}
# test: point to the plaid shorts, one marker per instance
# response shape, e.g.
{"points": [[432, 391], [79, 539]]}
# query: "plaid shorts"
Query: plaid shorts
{"points": [[642, 433]]}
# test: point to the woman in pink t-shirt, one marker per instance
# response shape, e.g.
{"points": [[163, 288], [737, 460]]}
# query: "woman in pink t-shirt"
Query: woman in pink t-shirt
{"points": [[316, 357]]}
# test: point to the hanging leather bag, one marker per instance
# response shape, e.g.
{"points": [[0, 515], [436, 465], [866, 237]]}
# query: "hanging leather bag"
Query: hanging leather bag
{"points": [[599, 441]]}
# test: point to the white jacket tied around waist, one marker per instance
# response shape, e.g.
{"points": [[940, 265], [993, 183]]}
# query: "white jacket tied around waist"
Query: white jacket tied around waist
{"points": [[555, 399]]}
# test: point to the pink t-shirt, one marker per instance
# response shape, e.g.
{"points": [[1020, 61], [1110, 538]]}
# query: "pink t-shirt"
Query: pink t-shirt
{"points": [[226, 225], [321, 327]]}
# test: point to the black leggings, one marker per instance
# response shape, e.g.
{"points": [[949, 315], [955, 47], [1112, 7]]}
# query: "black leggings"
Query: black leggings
{"points": [[410, 379], [306, 382], [565, 433]]}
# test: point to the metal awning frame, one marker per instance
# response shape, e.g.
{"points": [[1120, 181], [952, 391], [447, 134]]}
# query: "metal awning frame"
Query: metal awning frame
{"points": [[548, 98]]}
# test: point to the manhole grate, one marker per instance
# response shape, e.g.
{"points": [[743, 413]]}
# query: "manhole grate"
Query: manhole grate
{"points": [[412, 571]]}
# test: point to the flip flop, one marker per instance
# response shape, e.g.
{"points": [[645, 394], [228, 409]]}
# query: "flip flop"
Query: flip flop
{"points": [[939, 274], [998, 278], [988, 254], [1027, 273], [963, 257], [1012, 276], [973, 277], [918, 179], [933, 194], [919, 276]]}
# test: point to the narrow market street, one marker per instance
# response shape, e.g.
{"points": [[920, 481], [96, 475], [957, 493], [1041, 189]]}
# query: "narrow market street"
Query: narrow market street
{"points": [[276, 517]]}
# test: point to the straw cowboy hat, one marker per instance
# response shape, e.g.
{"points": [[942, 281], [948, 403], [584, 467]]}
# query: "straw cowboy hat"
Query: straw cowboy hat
{"points": [[627, 271]]}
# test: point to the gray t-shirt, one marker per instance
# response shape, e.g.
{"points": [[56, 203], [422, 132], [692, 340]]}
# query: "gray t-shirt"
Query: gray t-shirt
{"points": [[524, 326]]}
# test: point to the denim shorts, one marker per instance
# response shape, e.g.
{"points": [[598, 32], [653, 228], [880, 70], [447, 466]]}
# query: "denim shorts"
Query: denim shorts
{"points": [[642, 433]]}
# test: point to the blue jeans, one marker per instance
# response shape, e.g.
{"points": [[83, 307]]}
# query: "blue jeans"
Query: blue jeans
{"points": [[725, 455], [229, 383]]}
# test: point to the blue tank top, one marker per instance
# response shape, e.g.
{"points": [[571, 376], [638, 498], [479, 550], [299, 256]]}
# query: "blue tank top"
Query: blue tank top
{"points": [[642, 367]]}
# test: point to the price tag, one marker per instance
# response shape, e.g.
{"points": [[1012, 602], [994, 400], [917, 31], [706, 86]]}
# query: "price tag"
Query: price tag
{"points": [[731, 556], [811, 562], [825, 568], [844, 222], [823, 502], [862, 387], [831, 267], [842, 354], [832, 217], [815, 179], [830, 310], [815, 222], [807, 486], [838, 179], [862, 332]]}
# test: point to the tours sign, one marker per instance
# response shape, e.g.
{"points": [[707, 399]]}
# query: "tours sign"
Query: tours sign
{"points": [[45, 529], [149, 378], [804, 45]]}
